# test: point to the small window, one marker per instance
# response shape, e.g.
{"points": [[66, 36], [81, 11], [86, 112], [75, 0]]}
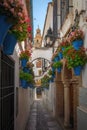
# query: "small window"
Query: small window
{"points": [[86, 5]]}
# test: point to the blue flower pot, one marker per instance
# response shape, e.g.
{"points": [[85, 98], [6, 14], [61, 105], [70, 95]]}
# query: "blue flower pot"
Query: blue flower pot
{"points": [[59, 69], [77, 44], [77, 70], [23, 83], [23, 62], [56, 58], [60, 55], [9, 44], [4, 27], [26, 70], [53, 69], [63, 48]]}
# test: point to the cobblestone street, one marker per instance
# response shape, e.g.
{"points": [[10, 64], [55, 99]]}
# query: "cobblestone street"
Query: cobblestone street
{"points": [[40, 119]]}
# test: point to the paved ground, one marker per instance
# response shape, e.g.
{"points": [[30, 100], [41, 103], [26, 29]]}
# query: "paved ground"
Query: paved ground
{"points": [[40, 119]]}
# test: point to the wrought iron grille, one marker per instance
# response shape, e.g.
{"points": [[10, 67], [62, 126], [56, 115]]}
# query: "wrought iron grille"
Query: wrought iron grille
{"points": [[6, 93], [64, 10], [55, 18]]}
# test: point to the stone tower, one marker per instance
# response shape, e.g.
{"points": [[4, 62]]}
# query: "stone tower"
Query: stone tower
{"points": [[38, 38]]}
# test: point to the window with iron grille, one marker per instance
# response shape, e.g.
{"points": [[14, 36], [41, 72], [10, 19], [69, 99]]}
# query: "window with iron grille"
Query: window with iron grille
{"points": [[64, 10], [6, 93], [55, 18], [86, 5]]}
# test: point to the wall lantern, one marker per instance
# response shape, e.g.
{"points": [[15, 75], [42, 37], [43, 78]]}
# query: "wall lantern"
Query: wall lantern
{"points": [[49, 38]]}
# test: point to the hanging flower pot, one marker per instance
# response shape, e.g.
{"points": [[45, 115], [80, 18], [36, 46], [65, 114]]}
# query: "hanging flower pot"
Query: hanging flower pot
{"points": [[60, 55], [58, 65], [56, 58], [59, 69], [23, 62], [77, 44], [9, 44], [26, 70], [77, 70], [24, 56], [4, 27], [53, 69], [63, 48], [23, 83]]}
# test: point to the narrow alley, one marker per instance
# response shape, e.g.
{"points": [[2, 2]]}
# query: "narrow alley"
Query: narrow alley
{"points": [[40, 118], [43, 64]]}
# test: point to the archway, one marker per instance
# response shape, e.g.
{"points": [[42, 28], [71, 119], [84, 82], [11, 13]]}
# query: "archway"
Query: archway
{"points": [[41, 65]]}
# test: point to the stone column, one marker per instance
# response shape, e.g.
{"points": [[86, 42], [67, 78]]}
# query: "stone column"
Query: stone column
{"points": [[75, 83], [66, 105]]}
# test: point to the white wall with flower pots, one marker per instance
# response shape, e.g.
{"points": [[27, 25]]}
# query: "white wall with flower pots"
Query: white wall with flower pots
{"points": [[48, 95], [82, 108], [23, 98], [45, 53]]}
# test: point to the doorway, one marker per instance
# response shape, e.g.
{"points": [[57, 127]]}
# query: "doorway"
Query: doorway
{"points": [[6, 92]]}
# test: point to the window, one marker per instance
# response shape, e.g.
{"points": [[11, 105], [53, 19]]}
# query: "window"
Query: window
{"points": [[86, 5], [64, 10]]}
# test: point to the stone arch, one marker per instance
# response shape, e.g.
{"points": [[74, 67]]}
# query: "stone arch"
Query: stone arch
{"points": [[43, 53], [70, 83], [40, 58], [64, 95]]}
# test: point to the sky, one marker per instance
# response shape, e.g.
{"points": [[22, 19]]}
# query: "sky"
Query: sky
{"points": [[39, 13]]}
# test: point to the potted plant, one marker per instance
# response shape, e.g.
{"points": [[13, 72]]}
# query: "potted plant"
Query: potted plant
{"points": [[45, 81], [76, 59], [55, 57], [28, 68], [23, 81], [14, 19], [30, 65], [24, 56], [59, 52], [15, 14], [58, 65], [65, 43], [50, 72], [26, 79], [76, 37]]}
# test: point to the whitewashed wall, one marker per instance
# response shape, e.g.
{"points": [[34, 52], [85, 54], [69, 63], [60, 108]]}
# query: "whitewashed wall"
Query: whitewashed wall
{"points": [[43, 53], [84, 72], [25, 98], [48, 20]]}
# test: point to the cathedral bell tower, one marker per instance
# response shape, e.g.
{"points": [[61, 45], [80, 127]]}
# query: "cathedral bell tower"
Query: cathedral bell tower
{"points": [[38, 39]]}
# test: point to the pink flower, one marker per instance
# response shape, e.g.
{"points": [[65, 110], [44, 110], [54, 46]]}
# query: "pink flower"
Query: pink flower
{"points": [[20, 14], [6, 4], [21, 21], [12, 10], [20, 29], [27, 20], [29, 29]]}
